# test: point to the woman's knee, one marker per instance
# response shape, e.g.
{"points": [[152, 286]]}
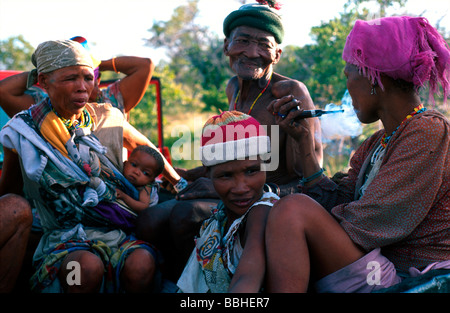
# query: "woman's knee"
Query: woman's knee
{"points": [[292, 207], [138, 271], [81, 271], [17, 210]]}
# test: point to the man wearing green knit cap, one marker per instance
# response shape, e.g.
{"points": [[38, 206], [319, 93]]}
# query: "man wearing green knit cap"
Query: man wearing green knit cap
{"points": [[253, 34], [258, 16]]}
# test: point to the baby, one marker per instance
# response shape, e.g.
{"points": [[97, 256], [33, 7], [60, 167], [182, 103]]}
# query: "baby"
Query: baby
{"points": [[142, 167]]}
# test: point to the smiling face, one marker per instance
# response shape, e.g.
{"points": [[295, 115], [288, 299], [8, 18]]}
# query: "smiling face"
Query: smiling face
{"points": [[359, 87], [239, 184], [251, 51], [69, 89], [140, 168]]}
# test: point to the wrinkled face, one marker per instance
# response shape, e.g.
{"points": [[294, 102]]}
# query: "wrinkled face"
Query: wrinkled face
{"points": [[359, 88], [251, 51], [69, 89], [139, 169], [239, 184]]}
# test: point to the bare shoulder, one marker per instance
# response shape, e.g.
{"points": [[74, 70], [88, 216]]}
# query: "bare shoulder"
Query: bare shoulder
{"points": [[284, 86], [231, 89], [232, 85], [258, 213]]}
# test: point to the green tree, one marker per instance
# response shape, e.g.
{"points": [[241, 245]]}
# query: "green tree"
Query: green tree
{"points": [[195, 55], [383, 4], [319, 65], [15, 54]]}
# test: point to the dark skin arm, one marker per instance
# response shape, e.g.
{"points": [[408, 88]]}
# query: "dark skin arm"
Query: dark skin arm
{"points": [[302, 132], [11, 179], [136, 205], [250, 272], [297, 94], [12, 94], [138, 73]]}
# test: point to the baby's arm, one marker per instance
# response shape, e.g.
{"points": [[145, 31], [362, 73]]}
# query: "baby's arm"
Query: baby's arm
{"points": [[136, 205]]}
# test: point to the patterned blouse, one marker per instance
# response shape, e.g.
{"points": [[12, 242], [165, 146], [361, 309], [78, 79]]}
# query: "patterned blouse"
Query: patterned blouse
{"points": [[405, 210]]}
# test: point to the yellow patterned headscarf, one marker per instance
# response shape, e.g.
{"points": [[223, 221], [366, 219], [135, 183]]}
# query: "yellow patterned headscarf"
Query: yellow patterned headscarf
{"points": [[56, 54]]}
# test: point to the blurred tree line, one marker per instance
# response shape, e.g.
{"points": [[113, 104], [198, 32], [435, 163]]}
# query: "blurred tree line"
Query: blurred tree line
{"points": [[196, 72]]}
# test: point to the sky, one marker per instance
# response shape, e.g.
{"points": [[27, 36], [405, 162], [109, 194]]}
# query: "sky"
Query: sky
{"points": [[118, 27]]}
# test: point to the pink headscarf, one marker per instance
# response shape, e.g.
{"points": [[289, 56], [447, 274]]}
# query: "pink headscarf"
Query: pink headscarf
{"points": [[402, 47]]}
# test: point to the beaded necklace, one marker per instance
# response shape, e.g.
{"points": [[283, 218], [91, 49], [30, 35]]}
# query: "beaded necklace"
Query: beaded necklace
{"points": [[385, 139], [85, 121], [260, 94]]}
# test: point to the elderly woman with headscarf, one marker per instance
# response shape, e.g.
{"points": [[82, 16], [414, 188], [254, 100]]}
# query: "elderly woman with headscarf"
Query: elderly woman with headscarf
{"points": [[389, 218], [70, 153]]}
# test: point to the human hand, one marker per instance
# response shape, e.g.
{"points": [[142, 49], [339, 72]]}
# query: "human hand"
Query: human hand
{"points": [[286, 111], [191, 174], [119, 194], [200, 188], [167, 185]]}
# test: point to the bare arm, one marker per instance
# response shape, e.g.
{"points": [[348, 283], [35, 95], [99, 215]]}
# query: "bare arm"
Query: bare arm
{"points": [[300, 92], [250, 272], [136, 205], [302, 132], [290, 93], [138, 73], [11, 178], [12, 94]]}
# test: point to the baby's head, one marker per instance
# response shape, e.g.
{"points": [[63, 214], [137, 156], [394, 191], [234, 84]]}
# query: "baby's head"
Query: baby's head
{"points": [[143, 165]]}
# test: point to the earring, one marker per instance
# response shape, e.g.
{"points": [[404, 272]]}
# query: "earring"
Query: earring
{"points": [[374, 91]]}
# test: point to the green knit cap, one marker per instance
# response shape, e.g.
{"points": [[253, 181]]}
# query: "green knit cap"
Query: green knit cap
{"points": [[258, 16]]}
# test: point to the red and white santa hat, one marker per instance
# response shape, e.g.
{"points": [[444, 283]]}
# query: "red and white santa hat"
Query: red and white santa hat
{"points": [[230, 136]]}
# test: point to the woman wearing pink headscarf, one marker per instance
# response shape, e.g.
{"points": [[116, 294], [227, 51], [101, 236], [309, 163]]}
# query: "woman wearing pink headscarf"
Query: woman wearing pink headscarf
{"points": [[389, 218]]}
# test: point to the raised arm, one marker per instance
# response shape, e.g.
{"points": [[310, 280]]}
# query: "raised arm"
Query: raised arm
{"points": [[138, 73], [13, 98]]}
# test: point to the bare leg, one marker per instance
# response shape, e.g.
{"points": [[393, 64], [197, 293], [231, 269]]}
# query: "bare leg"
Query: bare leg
{"points": [[301, 235], [91, 272], [15, 226], [138, 271]]}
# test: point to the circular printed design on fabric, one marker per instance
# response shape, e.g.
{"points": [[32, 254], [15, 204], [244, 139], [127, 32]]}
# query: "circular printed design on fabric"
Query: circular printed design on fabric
{"points": [[208, 248]]}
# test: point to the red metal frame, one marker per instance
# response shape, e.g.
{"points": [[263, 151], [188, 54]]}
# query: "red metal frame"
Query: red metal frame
{"points": [[154, 81], [7, 73]]}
